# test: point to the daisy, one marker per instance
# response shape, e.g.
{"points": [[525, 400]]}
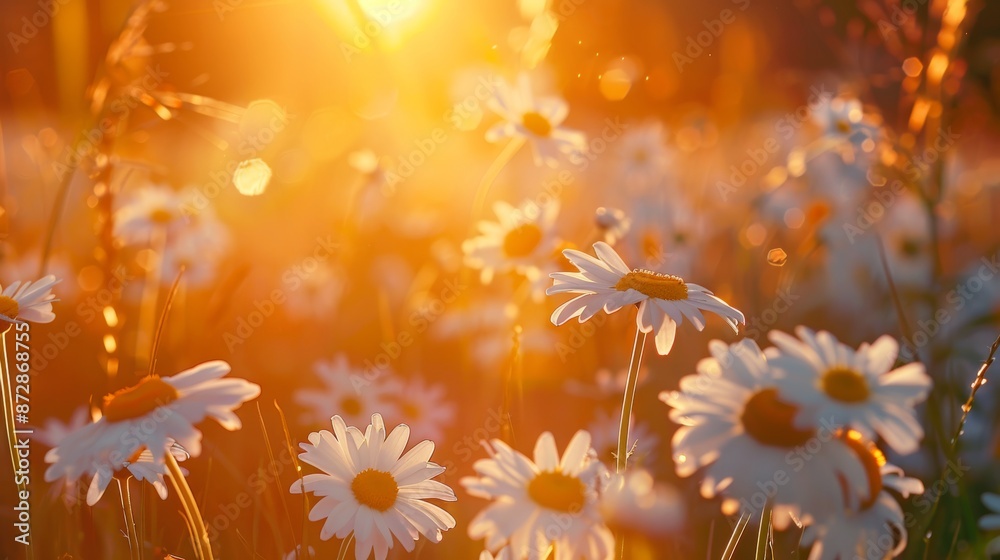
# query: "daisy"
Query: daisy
{"points": [[146, 210], [825, 378], [636, 502], [29, 301], [991, 521], [153, 414], [541, 504], [143, 466], [642, 441], [534, 119], [27, 264], [423, 407], [349, 392], [664, 300], [736, 425], [521, 240], [199, 246], [643, 156], [876, 528], [366, 488]]}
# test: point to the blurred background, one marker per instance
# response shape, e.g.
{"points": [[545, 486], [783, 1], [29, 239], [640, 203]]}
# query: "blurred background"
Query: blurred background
{"points": [[832, 164]]}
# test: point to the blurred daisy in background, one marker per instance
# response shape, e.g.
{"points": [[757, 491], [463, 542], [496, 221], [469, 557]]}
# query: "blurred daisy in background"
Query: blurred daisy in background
{"points": [[636, 502], [735, 425], [29, 301], [537, 120], [16, 265], [539, 505], [643, 156], [613, 224], [199, 247], [368, 489], [607, 283], [422, 406], [824, 378], [991, 521], [144, 211], [142, 466], [316, 295], [522, 240], [350, 392], [154, 414], [643, 443]]}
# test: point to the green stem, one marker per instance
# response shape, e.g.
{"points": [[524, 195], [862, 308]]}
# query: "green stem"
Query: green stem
{"points": [[201, 542], [134, 545], [344, 547], [633, 379], [763, 532]]}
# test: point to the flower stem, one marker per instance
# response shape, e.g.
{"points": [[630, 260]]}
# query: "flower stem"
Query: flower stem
{"points": [[345, 545], [763, 532], [633, 379], [134, 545], [201, 543], [150, 295], [490, 177]]}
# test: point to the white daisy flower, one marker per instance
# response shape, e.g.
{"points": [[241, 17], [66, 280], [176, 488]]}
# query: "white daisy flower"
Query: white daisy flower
{"points": [[542, 504], [643, 156], [143, 466], [522, 240], [29, 301], [991, 521], [152, 414], [502, 554], [637, 502], [664, 300], [352, 393], [145, 210], [366, 488], [843, 117], [535, 119], [876, 528], [735, 424], [827, 379], [424, 407]]}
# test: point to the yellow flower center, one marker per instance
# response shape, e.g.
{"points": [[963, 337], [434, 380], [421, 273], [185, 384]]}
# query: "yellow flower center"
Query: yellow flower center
{"points": [[654, 285], [536, 124], [375, 489], [871, 459], [770, 421], [522, 240], [9, 307], [161, 216], [558, 491], [350, 406], [845, 385], [640, 156], [139, 400]]}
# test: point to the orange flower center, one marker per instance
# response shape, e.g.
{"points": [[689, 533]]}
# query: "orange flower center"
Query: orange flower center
{"points": [[9, 307], [522, 240], [770, 421], [139, 400], [161, 216], [350, 406], [558, 491], [654, 285], [845, 385], [536, 124], [872, 460], [375, 489]]}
